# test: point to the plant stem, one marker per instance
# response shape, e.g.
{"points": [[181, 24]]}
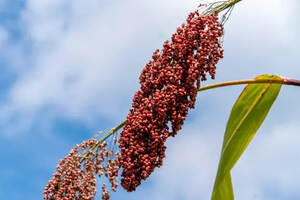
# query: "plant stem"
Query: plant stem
{"points": [[288, 81], [284, 81], [112, 131], [219, 6], [226, 5]]}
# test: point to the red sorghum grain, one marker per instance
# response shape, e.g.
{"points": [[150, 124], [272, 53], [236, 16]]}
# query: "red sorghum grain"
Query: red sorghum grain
{"points": [[76, 180], [168, 90]]}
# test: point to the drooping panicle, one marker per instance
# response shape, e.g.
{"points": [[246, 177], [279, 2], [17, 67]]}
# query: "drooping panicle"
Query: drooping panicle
{"points": [[168, 88], [75, 178]]}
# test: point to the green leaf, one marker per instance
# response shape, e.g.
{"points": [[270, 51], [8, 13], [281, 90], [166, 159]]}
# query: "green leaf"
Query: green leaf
{"points": [[247, 115]]}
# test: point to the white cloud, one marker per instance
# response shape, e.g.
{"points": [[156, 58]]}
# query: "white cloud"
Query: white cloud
{"points": [[261, 37], [85, 58], [269, 164], [83, 62]]}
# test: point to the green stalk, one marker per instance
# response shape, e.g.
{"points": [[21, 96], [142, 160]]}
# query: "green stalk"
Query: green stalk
{"points": [[226, 5], [111, 132], [219, 6], [283, 81]]}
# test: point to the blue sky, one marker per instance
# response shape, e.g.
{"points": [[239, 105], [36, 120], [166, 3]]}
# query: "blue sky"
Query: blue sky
{"points": [[70, 68]]}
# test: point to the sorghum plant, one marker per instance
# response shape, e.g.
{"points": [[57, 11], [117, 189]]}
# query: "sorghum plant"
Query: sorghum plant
{"points": [[168, 87]]}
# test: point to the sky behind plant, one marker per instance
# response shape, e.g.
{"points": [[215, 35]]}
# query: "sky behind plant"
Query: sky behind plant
{"points": [[70, 68]]}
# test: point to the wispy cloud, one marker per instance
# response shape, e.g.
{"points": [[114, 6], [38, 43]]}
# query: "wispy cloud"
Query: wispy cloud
{"points": [[84, 58], [79, 60], [268, 167]]}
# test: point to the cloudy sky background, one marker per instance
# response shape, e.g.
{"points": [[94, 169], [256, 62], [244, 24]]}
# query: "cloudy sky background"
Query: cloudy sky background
{"points": [[70, 68]]}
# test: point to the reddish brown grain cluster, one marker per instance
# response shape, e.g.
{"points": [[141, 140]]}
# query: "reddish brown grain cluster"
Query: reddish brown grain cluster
{"points": [[169, 85], [76, 179]]}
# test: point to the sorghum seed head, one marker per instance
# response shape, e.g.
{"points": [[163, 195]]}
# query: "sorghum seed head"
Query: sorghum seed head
{"points": [[168, 90], [77, 180]]}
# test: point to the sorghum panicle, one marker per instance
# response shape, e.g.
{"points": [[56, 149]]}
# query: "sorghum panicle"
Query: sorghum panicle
{"points": [[168, 90], [76, 180]]}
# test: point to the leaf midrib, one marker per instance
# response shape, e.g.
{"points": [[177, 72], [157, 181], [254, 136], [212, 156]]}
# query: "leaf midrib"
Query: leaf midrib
{"points": [[245, 116]]}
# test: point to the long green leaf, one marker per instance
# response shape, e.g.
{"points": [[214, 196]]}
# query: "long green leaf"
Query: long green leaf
{"points": [[247, 115]]}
